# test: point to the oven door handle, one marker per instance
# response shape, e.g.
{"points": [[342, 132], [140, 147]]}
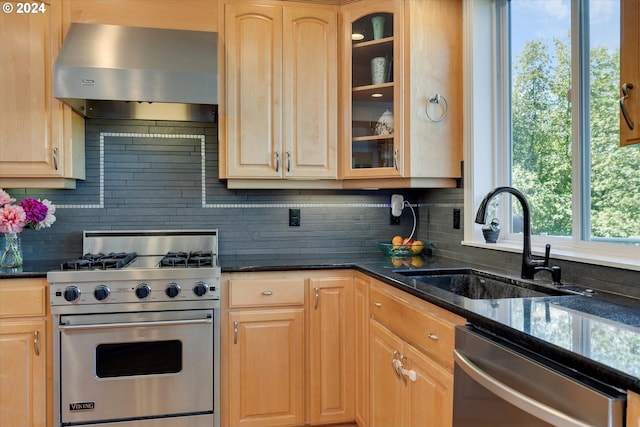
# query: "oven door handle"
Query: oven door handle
{"points": [[70, 328], [514, 397]]}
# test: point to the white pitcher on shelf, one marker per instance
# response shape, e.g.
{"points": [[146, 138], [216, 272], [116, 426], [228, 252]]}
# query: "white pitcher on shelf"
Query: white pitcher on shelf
{"points": [[384, 126]]}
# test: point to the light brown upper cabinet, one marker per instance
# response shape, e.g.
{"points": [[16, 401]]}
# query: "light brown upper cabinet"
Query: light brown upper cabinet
{"points": [[371, 90], [403, 127], [41, 140], [279, 106], [630, 72]]}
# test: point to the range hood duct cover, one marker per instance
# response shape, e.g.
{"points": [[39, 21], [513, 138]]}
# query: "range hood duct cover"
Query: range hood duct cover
{"points": [[113, 71]]}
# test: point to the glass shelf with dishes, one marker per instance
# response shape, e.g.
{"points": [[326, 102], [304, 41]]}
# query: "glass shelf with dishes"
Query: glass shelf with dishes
{"points": [[373, 91]]}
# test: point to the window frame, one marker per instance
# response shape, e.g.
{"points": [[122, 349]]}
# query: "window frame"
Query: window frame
{"points": [[486, 132]]}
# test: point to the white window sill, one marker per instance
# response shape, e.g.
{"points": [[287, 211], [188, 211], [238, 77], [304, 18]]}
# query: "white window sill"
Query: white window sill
{"points": [[563, 254]]}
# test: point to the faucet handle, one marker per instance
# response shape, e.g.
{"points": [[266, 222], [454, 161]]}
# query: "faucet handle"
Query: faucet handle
{"points": [[547, 253], [555, 275]]}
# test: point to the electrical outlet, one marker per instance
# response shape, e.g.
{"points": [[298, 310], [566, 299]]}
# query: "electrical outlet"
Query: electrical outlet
{"points": [[394, 220], [294, 217], [456, 218]]}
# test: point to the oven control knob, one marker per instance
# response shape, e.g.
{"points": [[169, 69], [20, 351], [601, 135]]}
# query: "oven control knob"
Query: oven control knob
{"points": [[172, 290], [200, 289], [71, 293], [143, 290], [101, 292]]}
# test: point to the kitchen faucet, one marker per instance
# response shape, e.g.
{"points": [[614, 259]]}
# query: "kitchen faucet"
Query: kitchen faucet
{"points": [[530, 266]]}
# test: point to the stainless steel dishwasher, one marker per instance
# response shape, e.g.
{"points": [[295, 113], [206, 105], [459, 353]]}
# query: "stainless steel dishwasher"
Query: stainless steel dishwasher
{"points": [[500, 384]]}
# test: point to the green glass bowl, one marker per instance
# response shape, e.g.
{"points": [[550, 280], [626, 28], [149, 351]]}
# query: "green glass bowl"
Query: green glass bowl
{"points": [[401, 251]]}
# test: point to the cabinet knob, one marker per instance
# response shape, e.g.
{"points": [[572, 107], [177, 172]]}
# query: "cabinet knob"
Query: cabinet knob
{"points": [[433, 336], [267, 293], [377, 304]]}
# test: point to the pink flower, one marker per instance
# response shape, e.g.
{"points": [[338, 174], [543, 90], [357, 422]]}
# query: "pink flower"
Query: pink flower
{"points": [[12, 219], [5, 198]]}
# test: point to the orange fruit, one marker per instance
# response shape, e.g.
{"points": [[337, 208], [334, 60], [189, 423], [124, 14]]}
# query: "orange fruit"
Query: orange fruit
{"points": [[397, 242], [417, 247]]}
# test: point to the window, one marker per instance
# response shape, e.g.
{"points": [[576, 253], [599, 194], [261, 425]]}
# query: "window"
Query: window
{"points": [[554, 80]]}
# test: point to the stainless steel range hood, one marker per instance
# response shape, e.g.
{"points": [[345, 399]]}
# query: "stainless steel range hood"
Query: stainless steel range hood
{"points": [[112, 71]]}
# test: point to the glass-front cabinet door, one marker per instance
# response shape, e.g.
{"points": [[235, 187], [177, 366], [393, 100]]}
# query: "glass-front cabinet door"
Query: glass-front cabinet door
{"points": [[373, 116]]}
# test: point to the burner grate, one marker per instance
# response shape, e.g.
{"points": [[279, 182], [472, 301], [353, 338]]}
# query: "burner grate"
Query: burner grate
{"points": [[183, 259], [100, 261]]}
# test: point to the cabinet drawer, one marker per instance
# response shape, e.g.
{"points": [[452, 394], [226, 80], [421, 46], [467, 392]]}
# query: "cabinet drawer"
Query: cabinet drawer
{"points": [[420, 328], [265, 292], [23, 297]]}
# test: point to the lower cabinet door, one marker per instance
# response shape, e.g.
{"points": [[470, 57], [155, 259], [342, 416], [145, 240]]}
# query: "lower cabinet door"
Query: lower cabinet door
{"points": [[266, 367], [386, 388], [331, 373], [23, 373], [431, 394], [361, 350], [418, 393]]}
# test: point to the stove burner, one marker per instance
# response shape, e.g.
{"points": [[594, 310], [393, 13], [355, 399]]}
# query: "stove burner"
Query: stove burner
{"points": [[100, 261], [183, 259]]}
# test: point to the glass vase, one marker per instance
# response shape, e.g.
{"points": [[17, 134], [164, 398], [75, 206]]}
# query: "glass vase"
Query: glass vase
{"points": [[11, 251]]}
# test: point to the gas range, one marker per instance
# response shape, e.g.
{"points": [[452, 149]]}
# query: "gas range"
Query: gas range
{"points": [[138, 315], [139, 266]]}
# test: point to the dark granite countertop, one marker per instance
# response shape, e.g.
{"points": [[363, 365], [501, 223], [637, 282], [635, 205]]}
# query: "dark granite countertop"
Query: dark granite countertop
{"points": [[597, 336], [31, 268]]}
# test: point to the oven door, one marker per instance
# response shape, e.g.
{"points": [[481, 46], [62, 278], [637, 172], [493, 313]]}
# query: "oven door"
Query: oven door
{"points": [[127, 366]]}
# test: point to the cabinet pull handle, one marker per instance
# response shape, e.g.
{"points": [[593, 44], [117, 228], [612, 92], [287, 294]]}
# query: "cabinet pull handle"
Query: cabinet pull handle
{"points": [[395, 364], [625, 94], [377, 304], [288, 161], [433, 336], [235, 332], [317, 297], [277, 161], [267, 293], [395, 159], [55, 156], [409, 373], [36, 342], [401, 369]]}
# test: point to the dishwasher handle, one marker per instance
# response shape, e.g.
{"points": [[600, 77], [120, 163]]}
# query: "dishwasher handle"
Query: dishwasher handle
{"points": [[514, 397]]}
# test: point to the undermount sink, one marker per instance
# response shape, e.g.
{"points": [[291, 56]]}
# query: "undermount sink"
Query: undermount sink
{"points": [[475, 284]]}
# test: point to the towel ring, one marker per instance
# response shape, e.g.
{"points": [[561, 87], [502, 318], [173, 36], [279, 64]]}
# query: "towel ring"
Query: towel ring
{"points": [[437, 99]]}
